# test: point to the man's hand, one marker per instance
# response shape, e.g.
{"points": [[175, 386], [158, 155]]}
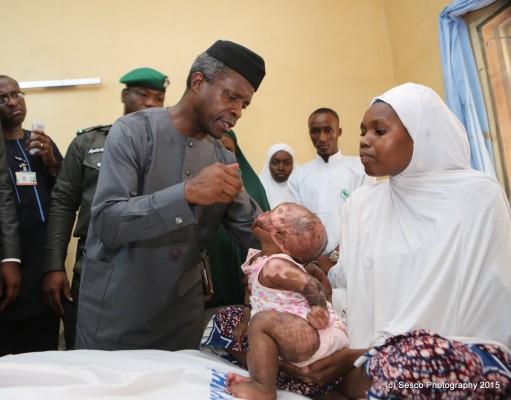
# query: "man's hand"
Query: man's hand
{"points": [[217, 183], [42, 142], [10, 283], [54, 285]]}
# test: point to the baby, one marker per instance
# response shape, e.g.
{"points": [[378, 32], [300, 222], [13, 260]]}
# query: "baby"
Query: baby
{"points": [[290, 317]]}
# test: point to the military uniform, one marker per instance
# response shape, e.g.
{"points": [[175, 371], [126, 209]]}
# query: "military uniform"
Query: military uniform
{"points": [[73, 191]]}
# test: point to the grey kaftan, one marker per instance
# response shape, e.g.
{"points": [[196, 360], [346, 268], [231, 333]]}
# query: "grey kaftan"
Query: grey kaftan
{"points": [[141, 287]]}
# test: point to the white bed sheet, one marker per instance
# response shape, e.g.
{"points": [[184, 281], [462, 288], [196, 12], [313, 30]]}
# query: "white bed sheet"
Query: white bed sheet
{"points": [[131, 374]]}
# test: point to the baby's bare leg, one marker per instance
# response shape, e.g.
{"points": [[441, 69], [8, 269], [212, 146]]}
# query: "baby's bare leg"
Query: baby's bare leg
{"points": [[297, 340], [272, 334], [240, 356]]}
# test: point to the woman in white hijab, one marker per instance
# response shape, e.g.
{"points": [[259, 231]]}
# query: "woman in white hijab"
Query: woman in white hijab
{"points": [[426, 261], [280, 164]]}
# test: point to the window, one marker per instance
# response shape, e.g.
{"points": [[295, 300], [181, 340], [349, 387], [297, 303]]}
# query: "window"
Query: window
{"points": [[490, 34]]}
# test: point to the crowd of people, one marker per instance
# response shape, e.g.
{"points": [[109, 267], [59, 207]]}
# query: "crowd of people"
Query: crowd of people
{"points": [[171, 220]]}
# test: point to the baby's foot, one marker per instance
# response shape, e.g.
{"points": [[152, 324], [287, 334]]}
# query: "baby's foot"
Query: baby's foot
{"points": [[240, 386], [235, 379]]}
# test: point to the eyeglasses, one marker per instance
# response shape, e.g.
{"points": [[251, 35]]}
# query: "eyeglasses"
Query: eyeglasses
{"points": [[15, 96]]}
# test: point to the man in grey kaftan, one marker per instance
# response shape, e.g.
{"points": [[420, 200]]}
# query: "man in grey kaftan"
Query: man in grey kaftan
{"points": [[166, 184]]}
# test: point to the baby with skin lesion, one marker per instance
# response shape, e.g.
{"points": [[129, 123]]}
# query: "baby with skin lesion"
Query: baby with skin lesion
{"points": [[291, 318]]}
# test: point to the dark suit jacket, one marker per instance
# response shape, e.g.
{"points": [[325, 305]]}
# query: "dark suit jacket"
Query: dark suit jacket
{"points": [[9, 237]]}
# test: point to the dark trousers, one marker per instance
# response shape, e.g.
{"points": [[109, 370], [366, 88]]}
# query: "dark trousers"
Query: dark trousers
{"points": [[70, 313], [38, 333]]}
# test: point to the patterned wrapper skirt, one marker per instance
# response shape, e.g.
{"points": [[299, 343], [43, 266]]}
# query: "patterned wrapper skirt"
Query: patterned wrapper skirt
{"points": [[423, 365]]}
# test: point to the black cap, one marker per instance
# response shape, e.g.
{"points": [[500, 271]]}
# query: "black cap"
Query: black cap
{"points": [[242, 60]]}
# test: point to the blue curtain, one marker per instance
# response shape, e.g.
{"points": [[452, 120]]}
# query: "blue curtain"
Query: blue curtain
{"points": [[461, 82]]}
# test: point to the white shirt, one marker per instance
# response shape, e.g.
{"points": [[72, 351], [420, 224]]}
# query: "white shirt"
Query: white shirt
{"points": [[323, 187]]}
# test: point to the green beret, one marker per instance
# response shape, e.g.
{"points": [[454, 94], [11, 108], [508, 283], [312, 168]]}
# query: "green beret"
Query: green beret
{"points": [[242, 60], [146, 77]]}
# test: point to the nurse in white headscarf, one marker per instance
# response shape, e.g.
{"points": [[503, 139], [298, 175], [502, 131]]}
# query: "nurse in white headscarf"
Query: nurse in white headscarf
{"points": [[425, 259], [278, 167]]}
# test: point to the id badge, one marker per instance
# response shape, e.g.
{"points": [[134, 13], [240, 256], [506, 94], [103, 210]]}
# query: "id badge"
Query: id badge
{"points": [[26, 178]]}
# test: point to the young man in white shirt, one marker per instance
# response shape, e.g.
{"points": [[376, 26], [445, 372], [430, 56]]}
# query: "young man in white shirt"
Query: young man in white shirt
{"points": [[323, 184]]}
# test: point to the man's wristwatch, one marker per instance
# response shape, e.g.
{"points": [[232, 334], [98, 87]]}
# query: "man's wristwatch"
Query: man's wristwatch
{"points": [[333, 255]]}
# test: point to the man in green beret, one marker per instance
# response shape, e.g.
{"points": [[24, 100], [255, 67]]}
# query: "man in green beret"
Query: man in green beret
{"points": [[74, 190], [145, 88], [166, 184]]}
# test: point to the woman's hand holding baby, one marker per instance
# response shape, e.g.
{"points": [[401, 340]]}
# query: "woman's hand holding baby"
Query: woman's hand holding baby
{"points": [[240, 331]]}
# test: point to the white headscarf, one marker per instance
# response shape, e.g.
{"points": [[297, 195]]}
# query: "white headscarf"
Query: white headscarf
{"points": [[277, 192], [429, 248]]}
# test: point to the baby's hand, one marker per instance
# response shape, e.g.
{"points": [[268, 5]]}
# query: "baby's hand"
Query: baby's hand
{"points": [[318, 317]]}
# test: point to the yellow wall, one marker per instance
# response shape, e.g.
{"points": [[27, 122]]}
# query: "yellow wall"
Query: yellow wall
{"points": [[412, 27], [319, 53]]}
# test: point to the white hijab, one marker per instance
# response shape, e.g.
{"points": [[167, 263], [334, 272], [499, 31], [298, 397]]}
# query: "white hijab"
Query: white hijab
{"points": [[277, 192], [429, 248]]}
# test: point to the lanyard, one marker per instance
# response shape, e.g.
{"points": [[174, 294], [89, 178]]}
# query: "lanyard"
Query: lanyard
{"points": [[24, 164]]}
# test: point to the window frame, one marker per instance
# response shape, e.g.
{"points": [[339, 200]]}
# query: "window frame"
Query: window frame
{"points": [[475, 20]]}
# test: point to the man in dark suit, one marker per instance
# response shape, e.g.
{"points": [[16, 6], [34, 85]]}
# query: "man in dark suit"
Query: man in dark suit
{"points": [[33, 161], [10, 254]]}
